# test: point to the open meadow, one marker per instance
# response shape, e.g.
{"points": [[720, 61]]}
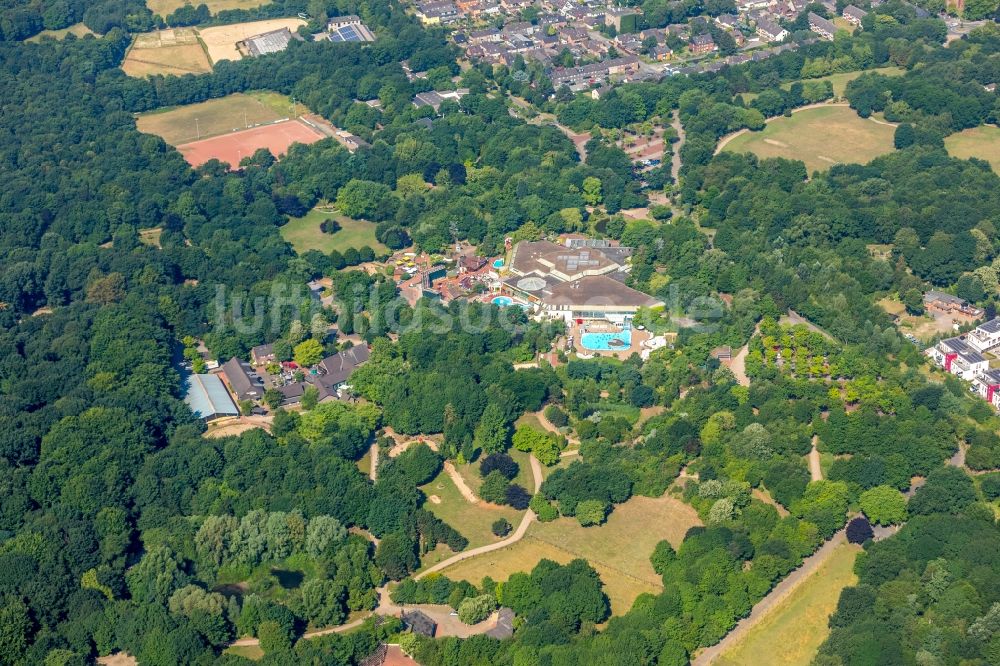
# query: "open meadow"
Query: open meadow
{"points": [[819, 136], [619, 550], [840, 80], [174, 51], [167, 7], [982, 142], [304, 232], [473, 521], [220, 40], [182, 124], [77, 30], [793, 631]]}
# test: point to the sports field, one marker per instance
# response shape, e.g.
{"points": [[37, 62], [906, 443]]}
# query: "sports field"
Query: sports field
{"points": [[982, 142], [221, 40], [174, 51], [232, 148], [183, 124], [305, 234], [166, 7], [794, 630], [819, 136], [619, 550]]}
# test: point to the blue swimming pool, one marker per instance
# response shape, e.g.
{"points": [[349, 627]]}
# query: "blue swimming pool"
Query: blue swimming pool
{"points": [[503, 301], [498, 263], [607, 341]]}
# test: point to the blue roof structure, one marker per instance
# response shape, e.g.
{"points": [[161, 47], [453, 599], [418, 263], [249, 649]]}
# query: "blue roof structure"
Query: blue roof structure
{"points": [[208, 398]]}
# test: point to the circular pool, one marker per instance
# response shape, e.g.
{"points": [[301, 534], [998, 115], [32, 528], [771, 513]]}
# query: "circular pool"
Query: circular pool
{"points": [[503, 301]]}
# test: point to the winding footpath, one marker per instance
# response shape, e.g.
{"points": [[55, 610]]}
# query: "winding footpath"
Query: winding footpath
{"points": [[814, 467], [518, 534], [675, 159]]}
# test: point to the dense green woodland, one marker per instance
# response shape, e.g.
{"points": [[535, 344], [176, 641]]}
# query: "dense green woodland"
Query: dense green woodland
{"points": [[171, 545]]}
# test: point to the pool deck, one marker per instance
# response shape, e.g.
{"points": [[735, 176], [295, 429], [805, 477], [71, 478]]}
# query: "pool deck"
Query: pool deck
{"points": [[638, 337]]}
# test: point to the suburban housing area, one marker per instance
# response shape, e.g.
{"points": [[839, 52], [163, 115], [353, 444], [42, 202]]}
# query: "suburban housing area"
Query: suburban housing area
{"points": [[970, 356]]}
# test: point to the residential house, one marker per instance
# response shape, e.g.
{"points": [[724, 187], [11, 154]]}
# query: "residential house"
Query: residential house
{"points": [[986, 336], [436, 12], [770, 31], [959, 357], [854, 14], [613, 17], [262, 354], [702, 43], [504, 627], [242, 380], [728, 21], [987, 384], [821, 26]]}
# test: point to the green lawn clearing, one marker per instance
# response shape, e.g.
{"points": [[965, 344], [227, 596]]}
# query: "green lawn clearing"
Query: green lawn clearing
{"points": [[792, 632], [820, 137], [473, 521], [840, 80], [982, 142], [304, 233], [183, 124], [619, 550]]}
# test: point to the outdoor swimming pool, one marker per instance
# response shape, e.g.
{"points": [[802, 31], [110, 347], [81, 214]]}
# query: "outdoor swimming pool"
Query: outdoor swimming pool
{"points": [[498, 263], [607, 341], [503, 301]]}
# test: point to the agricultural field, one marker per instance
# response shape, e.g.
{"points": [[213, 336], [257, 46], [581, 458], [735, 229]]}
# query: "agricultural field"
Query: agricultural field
{"points": [[799, 623], [77, 30], [175, 51], [982, 142], [183, 124], [305, 234], [619, 550], [220, 41], [807, 134], [167, 7]]}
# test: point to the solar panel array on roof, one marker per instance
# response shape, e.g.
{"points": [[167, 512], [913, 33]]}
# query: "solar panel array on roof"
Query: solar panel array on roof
{"points": [[349, 33]]}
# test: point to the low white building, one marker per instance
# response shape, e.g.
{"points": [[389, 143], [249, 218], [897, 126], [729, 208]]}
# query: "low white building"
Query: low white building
{"points": [[987, 385], [985, 336], [956, 356]]}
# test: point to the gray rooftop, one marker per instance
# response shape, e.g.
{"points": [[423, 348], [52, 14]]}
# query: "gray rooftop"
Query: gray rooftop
{"points": [[208, 398]]}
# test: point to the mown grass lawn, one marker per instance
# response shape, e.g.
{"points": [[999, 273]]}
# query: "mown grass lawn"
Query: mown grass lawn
{"points": [[304, 233], [982, 142], [820, 137], [473, 521], [619, 550]]}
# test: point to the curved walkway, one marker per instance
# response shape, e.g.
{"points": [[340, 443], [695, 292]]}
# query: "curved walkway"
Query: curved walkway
{"points": [[460, 483], [522, 528]]}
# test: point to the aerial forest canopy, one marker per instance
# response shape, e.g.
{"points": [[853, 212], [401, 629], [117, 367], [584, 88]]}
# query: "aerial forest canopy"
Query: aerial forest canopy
{"points": [[122, 528]]}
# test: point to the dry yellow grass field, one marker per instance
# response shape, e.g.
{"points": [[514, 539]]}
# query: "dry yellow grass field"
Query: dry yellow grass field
{"points": [[221, 40], [792, 633], [77, 30], [807, 134], [176, 51], [182, 124], [619, 550], [166, 7], [982, 142]]}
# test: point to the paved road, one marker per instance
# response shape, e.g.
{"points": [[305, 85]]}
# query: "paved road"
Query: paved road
{"points": [[781, 591], [522, 528]]}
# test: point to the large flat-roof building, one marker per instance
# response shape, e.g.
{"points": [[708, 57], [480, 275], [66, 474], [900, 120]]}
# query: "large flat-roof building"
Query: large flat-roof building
{"points": [[274, 41], [208, 398], [576, 282]]}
